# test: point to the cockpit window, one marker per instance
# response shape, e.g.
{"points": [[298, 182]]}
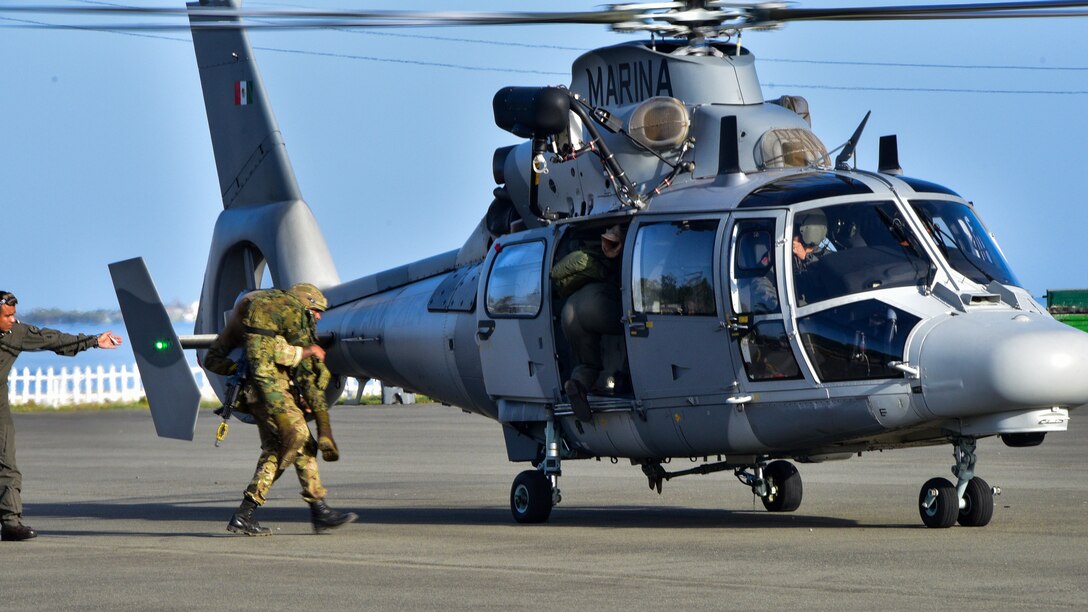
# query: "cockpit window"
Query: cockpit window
{"points": [[964, 241], [673, 268], [852, 248], [858, 341]]}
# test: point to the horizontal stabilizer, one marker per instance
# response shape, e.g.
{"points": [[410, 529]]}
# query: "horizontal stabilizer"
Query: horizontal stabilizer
{"points": [[171, 390]]}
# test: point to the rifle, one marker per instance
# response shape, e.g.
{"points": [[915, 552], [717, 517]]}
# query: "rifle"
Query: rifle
{"points": [[230, 399]]}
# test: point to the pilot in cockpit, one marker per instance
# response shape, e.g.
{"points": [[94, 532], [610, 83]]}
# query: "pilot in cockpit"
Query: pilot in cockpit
{"points": [[809, 246], [809, 239]]}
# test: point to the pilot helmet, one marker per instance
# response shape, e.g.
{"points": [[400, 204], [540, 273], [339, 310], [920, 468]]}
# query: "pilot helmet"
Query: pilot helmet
{"points": [[310, 296], [812, 225]]}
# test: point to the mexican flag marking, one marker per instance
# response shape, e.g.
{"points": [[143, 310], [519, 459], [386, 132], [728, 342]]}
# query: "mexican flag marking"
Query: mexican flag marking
{"points": [[243, 93]]}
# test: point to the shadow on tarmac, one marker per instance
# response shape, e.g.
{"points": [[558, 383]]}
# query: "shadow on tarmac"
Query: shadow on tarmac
{"points": [[603, 517]]}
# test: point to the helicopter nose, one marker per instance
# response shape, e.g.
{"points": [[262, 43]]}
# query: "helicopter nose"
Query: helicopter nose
{"points": [[982, 363]]}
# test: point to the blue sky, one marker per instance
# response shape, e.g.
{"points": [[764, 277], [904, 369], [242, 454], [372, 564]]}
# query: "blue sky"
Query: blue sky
{"points": [[105, 152]]}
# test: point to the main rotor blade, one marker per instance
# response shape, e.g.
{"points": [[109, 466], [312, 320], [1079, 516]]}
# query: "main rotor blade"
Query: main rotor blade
{"points": [[989, 10], [361, 18], [689, 18]]}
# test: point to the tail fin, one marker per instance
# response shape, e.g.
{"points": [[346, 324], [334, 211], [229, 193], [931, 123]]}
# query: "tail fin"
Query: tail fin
{"points": [[172, 393], [249, 149], [264, 221]]}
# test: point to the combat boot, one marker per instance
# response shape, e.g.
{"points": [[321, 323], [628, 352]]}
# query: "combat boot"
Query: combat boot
{"points": [[243, 521], [16, 533], [325, 518]]}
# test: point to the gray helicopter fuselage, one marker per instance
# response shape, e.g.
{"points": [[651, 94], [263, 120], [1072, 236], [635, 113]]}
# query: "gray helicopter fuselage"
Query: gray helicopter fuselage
{"points": [[958, 349]]}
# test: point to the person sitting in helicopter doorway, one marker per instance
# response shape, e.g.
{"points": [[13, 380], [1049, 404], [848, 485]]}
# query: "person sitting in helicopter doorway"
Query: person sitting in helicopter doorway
{"points": [[16, 337], [809, 246], [590, 280]]}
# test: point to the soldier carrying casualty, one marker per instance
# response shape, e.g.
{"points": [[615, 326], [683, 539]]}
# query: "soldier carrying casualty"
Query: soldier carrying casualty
{"points": [[285, 383]]}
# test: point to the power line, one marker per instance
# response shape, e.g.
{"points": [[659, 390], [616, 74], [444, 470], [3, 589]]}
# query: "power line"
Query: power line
{"points": [[930, 89], [398, 60], [369, 58], [916, 65]]}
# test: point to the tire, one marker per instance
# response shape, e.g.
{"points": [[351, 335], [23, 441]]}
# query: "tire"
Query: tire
{"points": [[945, 509], [979, 508], [531, 497], [786, 480]]}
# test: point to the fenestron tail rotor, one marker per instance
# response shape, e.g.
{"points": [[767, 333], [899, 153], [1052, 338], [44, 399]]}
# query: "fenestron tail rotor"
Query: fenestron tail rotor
{"points": [[693, 19]]}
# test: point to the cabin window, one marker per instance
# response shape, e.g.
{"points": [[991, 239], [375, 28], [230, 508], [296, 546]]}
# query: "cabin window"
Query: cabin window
{"points": [[964, 241], [756, 289], [856, 341], [853, 248], [673, 268], [514, 287]]}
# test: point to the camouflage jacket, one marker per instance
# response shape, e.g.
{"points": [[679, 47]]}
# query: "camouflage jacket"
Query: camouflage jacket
{"points": [[273, 313]]}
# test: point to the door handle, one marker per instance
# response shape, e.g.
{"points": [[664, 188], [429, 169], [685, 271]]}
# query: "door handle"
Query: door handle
{"points": [[484, 329], [638, 326], [739, 325]]}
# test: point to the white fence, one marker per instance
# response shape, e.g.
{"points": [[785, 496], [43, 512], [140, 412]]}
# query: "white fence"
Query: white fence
{"points": [[99, 385]]}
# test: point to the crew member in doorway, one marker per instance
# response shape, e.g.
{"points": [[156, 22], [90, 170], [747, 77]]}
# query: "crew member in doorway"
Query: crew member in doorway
{"points": [[590, 276], [16, 337]]}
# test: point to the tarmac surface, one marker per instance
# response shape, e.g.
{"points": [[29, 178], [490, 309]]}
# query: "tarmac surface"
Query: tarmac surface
{"points": [[131, 521]]}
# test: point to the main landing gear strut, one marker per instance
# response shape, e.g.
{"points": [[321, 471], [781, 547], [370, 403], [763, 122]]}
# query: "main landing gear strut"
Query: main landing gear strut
{"points": [[777, 483], [535, 492], [970, 502]]}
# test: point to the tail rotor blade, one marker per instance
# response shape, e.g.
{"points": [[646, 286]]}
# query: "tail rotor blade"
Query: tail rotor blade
{"points": [[171, 391]]}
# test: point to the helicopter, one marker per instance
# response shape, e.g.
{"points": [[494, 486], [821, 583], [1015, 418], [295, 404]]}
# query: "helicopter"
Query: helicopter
{"points": [[908, 329]]}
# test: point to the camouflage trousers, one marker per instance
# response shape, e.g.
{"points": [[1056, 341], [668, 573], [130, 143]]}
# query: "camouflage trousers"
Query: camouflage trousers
{"points": [[268, 470]]}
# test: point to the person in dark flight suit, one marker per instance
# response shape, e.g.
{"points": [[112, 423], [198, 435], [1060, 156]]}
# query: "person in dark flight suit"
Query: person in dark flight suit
{"points": [[16, 337]]}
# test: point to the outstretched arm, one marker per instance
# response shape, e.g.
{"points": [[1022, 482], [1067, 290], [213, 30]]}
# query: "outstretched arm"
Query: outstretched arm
{"points": [[107, 340]]}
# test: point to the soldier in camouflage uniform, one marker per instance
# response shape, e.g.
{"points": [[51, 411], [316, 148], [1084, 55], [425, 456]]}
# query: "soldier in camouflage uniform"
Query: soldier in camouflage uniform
{"points": [[286, 381]]}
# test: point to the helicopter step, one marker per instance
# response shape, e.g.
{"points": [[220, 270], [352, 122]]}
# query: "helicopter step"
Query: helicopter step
{"points": [[599, 404]]}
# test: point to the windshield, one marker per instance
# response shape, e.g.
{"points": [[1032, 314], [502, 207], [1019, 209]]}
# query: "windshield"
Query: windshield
{"points": [[964, 241], [853, 248]]}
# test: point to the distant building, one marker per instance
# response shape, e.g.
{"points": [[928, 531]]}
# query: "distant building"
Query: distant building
{"points": [[1070, 306]]}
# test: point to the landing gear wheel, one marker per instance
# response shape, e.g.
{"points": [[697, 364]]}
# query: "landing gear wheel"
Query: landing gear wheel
{"points": [[979, 500], [531, 497], [785, 484], [944, 506]]}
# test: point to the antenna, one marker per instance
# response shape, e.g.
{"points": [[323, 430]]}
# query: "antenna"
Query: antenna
{"points": [[842, 161], [889, 156]]}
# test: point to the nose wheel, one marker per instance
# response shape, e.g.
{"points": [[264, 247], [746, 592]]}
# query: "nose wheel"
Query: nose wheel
{"points": [[978, 504], [970, 502]]}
